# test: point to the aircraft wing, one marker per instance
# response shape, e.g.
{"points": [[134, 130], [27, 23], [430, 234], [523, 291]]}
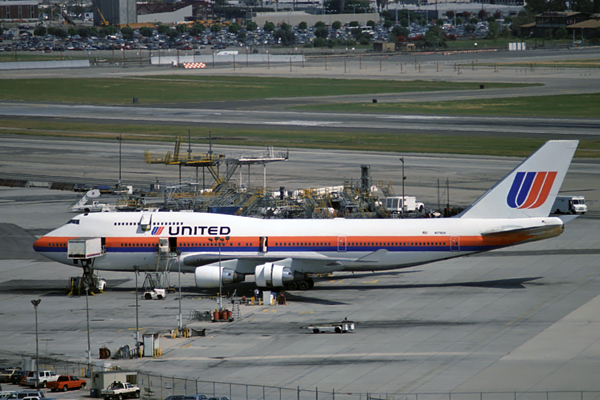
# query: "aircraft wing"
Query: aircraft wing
{"points": [[197, 259]]}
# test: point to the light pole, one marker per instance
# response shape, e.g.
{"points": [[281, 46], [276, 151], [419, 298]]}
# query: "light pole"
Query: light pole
{"points": [[87, 312], [403, 178], [120, 139], [179, 324], [136, 269], [37, 369]]}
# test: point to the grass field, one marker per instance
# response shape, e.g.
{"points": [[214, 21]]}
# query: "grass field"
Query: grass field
{"points": [[177, 89], [192, 89], [567, 106], [593, 63], [287, 138]]}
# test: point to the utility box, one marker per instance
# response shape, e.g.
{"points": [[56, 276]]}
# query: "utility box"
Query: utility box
{"points": [[151, 345], [268, 298], [85, 248]]}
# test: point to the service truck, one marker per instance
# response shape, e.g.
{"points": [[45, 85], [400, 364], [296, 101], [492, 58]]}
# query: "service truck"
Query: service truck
{"points": [[394, 204], [85, 248], [569, 205], [120, 390]]}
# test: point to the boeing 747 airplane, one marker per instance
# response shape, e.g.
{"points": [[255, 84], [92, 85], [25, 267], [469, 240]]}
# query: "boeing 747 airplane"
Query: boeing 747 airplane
{"points": [[222, 249]]}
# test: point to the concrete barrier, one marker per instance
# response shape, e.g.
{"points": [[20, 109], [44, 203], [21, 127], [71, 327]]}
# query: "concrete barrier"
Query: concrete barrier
{"points": [[228, 58], [44, 64]]}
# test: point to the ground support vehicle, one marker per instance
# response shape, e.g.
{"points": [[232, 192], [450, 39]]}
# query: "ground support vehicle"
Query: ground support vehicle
{"points": [[120, 391], [569, 205], [155, 294], [335, 327], [66, 382]]}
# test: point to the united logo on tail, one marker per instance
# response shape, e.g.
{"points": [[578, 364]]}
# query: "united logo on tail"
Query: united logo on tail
{"points": [[530, 189]]}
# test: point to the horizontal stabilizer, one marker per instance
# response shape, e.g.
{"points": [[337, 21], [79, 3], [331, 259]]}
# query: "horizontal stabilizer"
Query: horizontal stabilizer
{"points": [[536, 232]]}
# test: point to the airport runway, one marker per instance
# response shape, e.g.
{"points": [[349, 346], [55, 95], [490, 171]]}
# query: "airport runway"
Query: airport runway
{"points": [[523, 319], [274, 113], [448, 125]]}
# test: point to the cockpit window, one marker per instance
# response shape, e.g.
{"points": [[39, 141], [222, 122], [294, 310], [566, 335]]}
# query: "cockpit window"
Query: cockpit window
{"points": [[73, 221]]}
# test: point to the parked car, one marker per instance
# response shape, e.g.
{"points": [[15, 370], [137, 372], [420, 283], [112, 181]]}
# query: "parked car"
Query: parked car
{"points": [[26, 393], [195, 397], [8, 373], [28, 374], [15, 379], [45, 376], [66, 382]]}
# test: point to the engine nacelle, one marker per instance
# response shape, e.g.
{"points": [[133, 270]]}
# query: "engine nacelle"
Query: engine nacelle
{"points": [[273, 275], [208, 276]]}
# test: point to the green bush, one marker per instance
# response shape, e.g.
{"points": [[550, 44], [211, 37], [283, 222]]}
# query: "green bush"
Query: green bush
{"points": [[146, 31], [39, 31], [269, 27]]}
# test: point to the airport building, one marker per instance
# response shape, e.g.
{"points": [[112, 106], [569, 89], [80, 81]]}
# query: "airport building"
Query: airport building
{"points": [[116, 12], [18, 10]]}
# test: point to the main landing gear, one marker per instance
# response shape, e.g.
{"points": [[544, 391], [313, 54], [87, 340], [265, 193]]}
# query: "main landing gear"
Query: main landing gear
{"points": [[305, 284]]}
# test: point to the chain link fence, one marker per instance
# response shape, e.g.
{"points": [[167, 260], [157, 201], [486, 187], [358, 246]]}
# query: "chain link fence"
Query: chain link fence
{"points": [[159, 387]]}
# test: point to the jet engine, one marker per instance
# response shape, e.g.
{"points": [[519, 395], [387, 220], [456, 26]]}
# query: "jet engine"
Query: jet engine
{"points": [[208, 276], [273, 275]]}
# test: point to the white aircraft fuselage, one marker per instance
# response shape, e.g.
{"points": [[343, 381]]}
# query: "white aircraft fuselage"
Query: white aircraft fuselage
{"points": [[407, 242]]}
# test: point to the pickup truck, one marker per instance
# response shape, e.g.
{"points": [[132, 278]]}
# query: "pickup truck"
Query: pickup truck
{"points": [[66, 382], [120, 390], [45, 377]]}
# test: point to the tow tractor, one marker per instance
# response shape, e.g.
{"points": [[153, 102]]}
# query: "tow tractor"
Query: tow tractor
{"points": [[335, 327]]}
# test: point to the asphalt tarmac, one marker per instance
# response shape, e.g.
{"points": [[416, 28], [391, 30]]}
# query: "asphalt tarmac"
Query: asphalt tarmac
{"points": [[523, 319]]}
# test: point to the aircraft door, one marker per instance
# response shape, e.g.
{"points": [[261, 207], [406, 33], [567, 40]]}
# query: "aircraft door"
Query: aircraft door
{"points": [[172, 244], [263, 244], [455, 243], [342, 243]]}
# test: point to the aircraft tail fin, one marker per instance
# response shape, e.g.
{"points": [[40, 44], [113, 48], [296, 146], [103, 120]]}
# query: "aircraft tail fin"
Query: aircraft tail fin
{"points": [[530, 189]]}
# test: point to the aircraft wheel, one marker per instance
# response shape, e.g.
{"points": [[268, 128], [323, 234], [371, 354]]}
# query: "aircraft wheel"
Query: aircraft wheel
{"points": [[311, 283], [292, 285], [316, 330], [303, 285]]}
